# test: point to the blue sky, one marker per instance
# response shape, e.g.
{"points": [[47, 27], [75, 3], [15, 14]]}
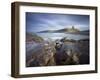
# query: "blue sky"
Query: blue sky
{"points": [[36, 22]]}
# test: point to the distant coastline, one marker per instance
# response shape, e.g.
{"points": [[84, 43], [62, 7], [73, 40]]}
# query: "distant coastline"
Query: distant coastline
{"points": [[71, 30]]}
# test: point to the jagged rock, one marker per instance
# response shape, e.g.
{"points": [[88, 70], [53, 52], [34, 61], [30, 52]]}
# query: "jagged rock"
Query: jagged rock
{"points": [[46, 57]]}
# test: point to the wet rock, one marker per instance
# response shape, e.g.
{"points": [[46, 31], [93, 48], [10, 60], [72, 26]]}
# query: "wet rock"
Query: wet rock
{"points": [[44, 58]]}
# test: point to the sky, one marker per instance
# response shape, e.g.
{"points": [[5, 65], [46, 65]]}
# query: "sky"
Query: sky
{"points": [[36, 22]]}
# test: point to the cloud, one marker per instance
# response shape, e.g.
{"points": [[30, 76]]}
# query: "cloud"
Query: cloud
{"points": [[46, 21]]}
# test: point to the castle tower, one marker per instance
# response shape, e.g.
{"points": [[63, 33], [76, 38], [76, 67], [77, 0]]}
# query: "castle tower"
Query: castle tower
{"points": [[73, 27]]}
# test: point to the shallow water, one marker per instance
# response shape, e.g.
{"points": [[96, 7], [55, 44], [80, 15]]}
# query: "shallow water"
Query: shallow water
{"points": [[62, 35]]}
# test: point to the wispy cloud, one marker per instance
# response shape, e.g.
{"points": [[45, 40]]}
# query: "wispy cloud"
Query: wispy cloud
{"points": [[45, 21]]}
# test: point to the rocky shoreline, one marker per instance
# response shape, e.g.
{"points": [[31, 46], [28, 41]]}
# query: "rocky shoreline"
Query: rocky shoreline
{"points": [[59, 52]]}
